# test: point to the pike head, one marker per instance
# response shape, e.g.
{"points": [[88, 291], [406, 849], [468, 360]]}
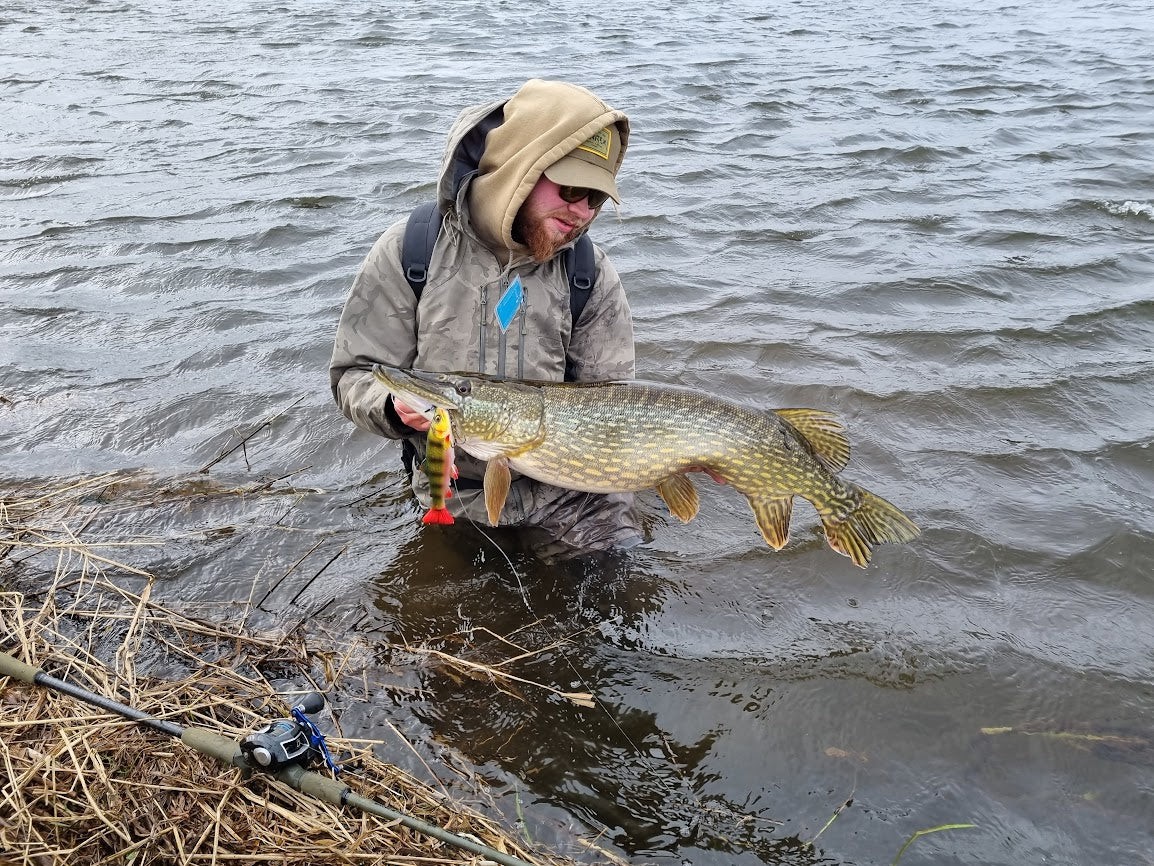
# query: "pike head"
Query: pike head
{"points": [[491, 417]]}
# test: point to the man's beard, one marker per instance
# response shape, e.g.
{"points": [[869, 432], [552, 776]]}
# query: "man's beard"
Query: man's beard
{"points": [[533, 233]]}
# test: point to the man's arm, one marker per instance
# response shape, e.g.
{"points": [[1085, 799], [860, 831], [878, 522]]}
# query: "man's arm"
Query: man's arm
{"points": [[378, 325]]}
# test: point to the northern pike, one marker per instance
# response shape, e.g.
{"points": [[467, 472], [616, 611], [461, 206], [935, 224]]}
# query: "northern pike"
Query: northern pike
{"points": [[616, 437], [439, 467]]}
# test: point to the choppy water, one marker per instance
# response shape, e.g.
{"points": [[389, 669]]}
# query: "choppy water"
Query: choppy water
{"points": [[934, 219]]}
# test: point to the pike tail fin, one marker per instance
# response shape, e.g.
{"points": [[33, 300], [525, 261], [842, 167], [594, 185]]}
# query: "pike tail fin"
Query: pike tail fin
{"points": [[438, 515], [875, 521]]}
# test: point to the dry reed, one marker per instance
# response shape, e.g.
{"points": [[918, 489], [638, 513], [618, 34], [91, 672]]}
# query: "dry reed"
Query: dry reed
{"points": [[82, 786]]}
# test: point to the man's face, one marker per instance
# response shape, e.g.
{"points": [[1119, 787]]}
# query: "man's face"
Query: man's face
{"points": [[546, 222]]}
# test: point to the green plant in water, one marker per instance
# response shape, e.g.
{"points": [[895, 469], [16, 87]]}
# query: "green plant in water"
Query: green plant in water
{"points": [[910, 840], [521, 816]]}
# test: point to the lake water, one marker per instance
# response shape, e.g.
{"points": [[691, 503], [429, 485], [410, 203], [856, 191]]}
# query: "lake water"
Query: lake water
{"points": [[934, 219]]}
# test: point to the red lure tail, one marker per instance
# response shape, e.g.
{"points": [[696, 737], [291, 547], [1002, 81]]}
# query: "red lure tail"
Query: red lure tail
{"points": [[438, 515]]}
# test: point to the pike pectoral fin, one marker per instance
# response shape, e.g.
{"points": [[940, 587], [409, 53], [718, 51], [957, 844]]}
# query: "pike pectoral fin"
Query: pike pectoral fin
{"points": [[680, 495], [773, 519], [497, 481]]}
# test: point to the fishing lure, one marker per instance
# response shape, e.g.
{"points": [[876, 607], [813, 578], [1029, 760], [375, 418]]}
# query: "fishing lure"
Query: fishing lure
{"points": [[440, 467]]}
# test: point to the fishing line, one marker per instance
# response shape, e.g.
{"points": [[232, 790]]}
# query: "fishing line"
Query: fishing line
{"points": [[692, 822], [508, 561], [581, 679]]}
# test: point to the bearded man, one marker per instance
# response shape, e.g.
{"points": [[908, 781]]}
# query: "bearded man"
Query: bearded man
{"points": [[521, 180]]}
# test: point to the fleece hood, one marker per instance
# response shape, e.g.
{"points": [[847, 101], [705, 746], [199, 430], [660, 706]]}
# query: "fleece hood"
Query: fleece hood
{"points": [[501, 149]]}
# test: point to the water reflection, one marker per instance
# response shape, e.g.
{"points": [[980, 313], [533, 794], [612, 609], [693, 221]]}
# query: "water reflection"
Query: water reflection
{"points": [[569, 628]]}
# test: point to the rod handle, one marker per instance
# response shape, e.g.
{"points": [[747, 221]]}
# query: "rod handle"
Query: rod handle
{"points": [[314, 784], [214, 745], [13, 667]]}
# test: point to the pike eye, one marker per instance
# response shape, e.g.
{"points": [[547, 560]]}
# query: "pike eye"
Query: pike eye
{"points": [[463, 388]]}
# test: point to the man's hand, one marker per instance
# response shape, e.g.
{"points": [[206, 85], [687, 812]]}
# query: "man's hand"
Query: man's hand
{"points": [[413, 418], [708, 472]]}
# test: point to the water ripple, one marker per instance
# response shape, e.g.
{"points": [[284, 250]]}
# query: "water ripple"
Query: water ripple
{"points": [[933, 221]]}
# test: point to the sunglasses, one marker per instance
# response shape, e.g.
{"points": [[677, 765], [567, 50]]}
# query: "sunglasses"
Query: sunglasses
{"points": [[574, 194]]}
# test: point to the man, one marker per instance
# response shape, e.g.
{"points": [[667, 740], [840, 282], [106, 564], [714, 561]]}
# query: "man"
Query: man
{"points": [[520, 181]]}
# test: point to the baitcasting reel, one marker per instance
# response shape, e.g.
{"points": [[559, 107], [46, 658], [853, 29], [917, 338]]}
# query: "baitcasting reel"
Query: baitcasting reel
{"points": [[294, 740]]}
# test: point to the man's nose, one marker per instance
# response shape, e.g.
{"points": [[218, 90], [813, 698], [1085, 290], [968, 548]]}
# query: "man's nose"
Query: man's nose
{"points": [[581, 209]]}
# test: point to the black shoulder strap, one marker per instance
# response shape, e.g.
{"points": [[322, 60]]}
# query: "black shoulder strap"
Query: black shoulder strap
{"points": [[417, 248], [421, 235], [582, 270]]}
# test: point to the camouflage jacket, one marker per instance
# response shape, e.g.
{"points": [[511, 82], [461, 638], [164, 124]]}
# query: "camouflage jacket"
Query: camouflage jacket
{"points": [[489, 167]]}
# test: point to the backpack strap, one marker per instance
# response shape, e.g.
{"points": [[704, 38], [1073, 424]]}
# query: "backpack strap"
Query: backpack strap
{"points": [[417, 248], [582, 271]]}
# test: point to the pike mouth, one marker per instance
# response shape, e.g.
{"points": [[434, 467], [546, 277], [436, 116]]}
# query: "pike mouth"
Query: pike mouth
{"points": [[420, 390]]}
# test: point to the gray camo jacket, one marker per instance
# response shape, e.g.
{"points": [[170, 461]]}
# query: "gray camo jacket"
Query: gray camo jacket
{"points": [[488, 169]]}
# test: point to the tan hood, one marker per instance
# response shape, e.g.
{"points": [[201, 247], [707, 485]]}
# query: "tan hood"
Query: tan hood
{"points": [[543, 122]]}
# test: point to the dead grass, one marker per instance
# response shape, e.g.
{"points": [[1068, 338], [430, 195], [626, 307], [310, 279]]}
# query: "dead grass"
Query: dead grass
{"points": [[82, 786]]}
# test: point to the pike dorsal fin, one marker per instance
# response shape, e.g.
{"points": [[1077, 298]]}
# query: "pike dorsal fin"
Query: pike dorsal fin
{"points": [[823, 432], [680, 495]]}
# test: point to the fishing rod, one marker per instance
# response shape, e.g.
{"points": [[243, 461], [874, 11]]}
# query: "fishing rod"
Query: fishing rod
{"points": [[280, 749]]}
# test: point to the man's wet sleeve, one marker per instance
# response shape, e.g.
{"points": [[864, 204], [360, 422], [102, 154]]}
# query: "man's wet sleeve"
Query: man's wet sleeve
{"points": [[601, 347], [377, 326]]}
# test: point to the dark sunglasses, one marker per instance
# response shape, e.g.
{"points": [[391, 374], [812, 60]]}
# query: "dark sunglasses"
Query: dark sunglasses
{"points": [[574, 194]]}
